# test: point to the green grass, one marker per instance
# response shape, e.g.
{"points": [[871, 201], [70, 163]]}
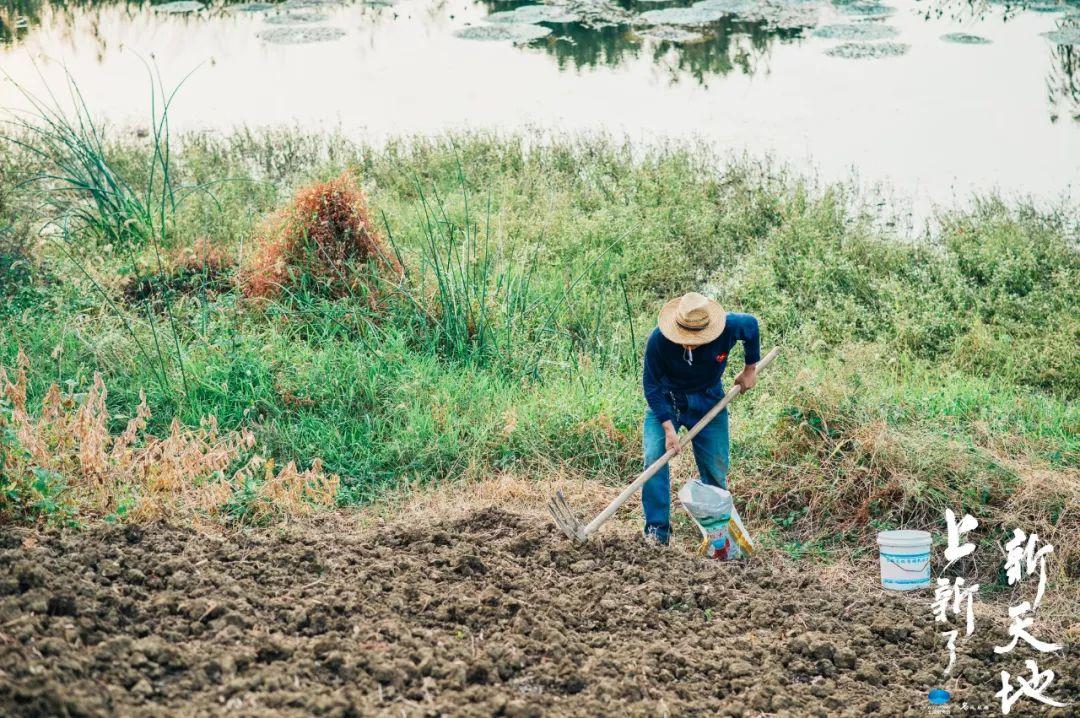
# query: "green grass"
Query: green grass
{"points": [[917, 373], [88, 198]]}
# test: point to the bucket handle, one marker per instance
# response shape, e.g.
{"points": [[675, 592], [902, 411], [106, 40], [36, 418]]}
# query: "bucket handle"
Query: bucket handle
{"points": [[909, 570]]}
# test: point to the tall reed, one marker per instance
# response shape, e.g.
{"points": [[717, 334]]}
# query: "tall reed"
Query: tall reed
{"points": [[87, 201], [484, 308]]}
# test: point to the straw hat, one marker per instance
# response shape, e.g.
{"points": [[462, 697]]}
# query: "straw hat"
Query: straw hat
{"points": [[692, 319]]}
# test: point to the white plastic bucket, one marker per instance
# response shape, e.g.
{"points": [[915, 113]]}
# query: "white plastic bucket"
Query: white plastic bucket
{"points": [[905, 559]]}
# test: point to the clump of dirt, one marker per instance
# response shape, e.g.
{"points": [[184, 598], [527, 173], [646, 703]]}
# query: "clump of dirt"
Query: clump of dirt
{"points": [[325, 240], [492, 614]]}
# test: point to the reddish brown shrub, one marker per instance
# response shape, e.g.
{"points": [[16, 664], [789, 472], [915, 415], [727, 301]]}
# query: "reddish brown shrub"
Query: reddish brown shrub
{"points": [[326, 235]]}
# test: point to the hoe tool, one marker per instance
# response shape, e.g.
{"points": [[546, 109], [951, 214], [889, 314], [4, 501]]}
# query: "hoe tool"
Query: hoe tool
{"points": [[571, 525]]}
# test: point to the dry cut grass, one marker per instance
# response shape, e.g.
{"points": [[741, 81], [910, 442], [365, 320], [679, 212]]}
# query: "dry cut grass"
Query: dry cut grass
{"points": [[843, 469], [65, 462]]}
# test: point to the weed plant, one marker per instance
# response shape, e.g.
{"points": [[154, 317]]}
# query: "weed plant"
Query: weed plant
{"points": [[67, 465]]}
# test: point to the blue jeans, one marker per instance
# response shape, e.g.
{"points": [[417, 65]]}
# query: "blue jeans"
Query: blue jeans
{"points": [[711, 452]]}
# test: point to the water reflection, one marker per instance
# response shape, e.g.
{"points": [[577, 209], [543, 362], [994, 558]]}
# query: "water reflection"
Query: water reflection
{"points": [[735, 44], [18, 17], [727, 44], [961, 10], [1063, 78], [605, 37], [1063, 82], [580, 47], [610, 35]]}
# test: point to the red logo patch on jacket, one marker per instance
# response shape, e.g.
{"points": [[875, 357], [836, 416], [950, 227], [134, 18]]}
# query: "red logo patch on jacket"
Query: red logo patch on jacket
{"points": [[721, 358]]}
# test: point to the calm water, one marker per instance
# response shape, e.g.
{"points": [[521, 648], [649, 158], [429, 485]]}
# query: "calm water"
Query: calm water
{"points": [[933, 119]]}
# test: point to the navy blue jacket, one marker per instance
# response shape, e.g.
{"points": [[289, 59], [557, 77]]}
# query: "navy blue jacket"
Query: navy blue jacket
{"points": [[667, 369]]}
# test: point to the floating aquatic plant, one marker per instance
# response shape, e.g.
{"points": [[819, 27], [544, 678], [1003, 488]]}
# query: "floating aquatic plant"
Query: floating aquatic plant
{"points": [[294, 35], [532, 14], [731, 7], [774, 14], [681, 16], [1064, 36], [514, 32], [1045, 6], [856, 32], [295, 18], [867, 50], [963, 38], [305, 4], [596, 14], [791, 17], [867, 10], [181, 6], [668, 33]]}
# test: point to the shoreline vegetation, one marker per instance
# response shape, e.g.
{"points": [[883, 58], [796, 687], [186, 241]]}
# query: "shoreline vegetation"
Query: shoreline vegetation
{"points": [[455, 308]]}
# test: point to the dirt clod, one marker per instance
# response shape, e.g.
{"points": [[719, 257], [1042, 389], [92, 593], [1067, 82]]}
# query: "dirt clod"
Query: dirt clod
{"points": [[62, 604]]}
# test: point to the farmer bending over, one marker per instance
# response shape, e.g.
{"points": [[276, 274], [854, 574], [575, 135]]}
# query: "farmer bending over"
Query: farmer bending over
{"points": [[684, 364]]}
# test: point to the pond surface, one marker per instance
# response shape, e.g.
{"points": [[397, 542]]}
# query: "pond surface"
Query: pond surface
{"points": [[934, 99]]}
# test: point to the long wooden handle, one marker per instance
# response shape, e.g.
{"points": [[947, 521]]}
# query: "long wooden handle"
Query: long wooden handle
{"points": [[686, 439]]}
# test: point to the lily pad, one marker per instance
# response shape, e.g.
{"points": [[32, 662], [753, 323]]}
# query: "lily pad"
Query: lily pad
{"points": [[306, 4], [692, 16], [867, 10], [598, 14], [300, 35], [791, 17], [295, 18], [253, 7], [731, 7], [1064, 36], [514, 32], [963, 38], [773, 14], [532, 14], [864, 31], [1048, 6], [867, 50], [668, 33], [181, 6]]}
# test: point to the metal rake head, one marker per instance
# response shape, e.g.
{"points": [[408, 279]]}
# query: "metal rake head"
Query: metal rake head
{"points": [[565, 518]]}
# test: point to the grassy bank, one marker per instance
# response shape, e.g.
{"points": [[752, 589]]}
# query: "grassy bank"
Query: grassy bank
{"points": [[917, 373]]}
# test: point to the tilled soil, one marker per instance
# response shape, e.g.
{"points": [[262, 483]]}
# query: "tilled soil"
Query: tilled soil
{"points": [[494, 614]]}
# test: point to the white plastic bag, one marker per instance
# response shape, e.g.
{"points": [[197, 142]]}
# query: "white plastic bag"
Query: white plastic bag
{"points": [[723, 534]]}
